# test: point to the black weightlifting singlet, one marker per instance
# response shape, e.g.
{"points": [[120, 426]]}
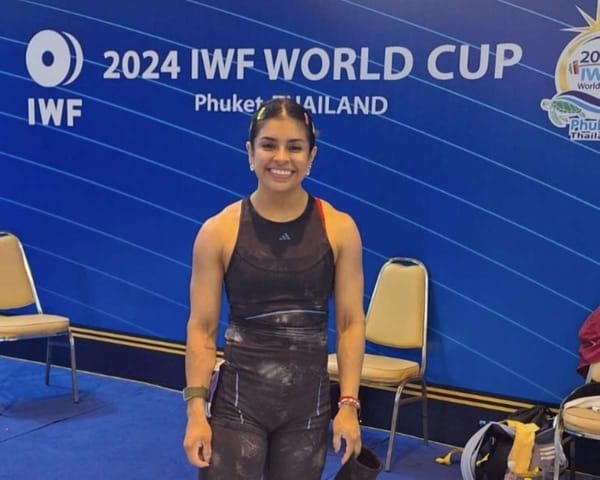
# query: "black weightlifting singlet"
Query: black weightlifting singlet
{"points": [[271, 409], [278, 283]]}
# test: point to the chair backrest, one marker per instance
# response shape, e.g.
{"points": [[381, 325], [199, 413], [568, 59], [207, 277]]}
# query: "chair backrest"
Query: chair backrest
{"points": [[397, 313], [16, 284]]}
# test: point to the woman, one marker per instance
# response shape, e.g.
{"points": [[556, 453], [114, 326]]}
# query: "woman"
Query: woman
{"points": [[281, 254]]}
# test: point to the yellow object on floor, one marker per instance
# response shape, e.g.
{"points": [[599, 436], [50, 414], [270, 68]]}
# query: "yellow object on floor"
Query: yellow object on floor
{"points": [[449, 458]]}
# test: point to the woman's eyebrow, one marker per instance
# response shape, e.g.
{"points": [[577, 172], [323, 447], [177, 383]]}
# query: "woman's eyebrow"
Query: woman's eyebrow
{"points": [[291, 140]]}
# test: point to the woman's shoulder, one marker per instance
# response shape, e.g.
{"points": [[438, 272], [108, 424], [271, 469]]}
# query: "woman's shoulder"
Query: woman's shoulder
{"points": [[342, 232], [230, 212], [223, 222], [340, 226], [334, 217]]}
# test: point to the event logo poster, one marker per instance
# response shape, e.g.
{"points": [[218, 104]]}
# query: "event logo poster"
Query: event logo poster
{"points": [[576, 104]]}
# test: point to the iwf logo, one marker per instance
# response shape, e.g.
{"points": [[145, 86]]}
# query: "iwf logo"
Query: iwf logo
{"points": [[53, 59]]}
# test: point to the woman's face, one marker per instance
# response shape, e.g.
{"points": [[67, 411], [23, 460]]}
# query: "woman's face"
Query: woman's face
{"points": [[280, 154]]}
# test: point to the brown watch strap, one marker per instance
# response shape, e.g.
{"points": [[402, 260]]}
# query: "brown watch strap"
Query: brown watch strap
{"points": [[193, 392]]}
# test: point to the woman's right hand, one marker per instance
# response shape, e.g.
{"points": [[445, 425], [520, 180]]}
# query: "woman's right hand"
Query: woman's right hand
{"points": [[198, 435]]}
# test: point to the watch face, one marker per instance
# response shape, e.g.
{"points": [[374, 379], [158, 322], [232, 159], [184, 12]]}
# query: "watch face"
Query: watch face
{"points": [[187, 394]]}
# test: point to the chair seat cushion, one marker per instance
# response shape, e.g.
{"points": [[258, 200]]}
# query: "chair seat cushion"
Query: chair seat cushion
{"points": [[380, 369], [36, 325], [582, 419]]}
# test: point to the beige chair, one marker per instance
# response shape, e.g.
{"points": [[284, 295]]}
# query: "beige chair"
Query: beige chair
{"points": [[17, 290], [397, 317], [578, 416]]}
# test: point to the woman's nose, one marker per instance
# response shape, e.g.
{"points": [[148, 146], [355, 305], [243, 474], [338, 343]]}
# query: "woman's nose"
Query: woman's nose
{"points": [[281, 154]]}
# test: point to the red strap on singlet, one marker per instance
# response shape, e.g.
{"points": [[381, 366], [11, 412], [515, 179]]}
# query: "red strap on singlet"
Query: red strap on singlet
{"points": [[320, 210]]}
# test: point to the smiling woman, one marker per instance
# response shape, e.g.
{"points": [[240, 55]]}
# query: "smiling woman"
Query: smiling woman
{"points": [[281, 150], [281, 254]]}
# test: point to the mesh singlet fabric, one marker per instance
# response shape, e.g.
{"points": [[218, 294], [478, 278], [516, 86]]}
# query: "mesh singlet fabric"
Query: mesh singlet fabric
{"points": [[278, 266]]}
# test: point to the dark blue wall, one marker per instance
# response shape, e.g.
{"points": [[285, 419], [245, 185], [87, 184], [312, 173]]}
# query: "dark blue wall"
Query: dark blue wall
{"points": [[469, 175]]}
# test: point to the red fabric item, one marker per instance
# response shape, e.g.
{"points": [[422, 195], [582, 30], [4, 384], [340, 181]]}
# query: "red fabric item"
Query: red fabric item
{"points": [[319, 205], [589, 340]]}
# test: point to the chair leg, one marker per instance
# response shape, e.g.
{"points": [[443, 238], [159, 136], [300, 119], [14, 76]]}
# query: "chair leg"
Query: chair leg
{"points": [[73, 369], [425, 412], [572, 469], [48, 360], [562, 458], [392, 439], [556, 473]]}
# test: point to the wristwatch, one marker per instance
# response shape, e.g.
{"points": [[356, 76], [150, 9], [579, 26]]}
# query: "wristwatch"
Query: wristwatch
{"points": [[192, 392]]}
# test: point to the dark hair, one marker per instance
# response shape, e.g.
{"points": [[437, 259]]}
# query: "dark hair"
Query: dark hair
{"points": [[281, 107]]}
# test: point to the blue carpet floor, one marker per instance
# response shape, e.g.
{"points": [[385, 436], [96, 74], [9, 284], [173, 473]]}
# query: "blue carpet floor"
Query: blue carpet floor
{"points": [[129, 430]]}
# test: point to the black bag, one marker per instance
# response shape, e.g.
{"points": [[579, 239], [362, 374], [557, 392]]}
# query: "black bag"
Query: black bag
{"points": [[485, 456], [538, 414]]}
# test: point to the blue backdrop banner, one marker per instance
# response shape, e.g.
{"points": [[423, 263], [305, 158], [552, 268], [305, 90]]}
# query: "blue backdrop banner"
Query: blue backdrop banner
{"points": [[462, 133]]}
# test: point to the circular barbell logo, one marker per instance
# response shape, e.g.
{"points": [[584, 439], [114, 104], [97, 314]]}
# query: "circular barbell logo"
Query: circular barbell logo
{"points": [[53, 58]]}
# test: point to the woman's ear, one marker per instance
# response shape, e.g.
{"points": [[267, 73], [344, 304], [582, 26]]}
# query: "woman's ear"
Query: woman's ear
{"points": [[250, 155], [311, 159]]}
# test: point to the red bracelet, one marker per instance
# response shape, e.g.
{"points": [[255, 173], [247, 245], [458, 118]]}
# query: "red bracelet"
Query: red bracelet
{"points": [[349, 400]]}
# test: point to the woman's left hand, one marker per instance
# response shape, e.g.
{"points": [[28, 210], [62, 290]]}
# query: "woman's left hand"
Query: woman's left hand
{"points": [[346, 426]]}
